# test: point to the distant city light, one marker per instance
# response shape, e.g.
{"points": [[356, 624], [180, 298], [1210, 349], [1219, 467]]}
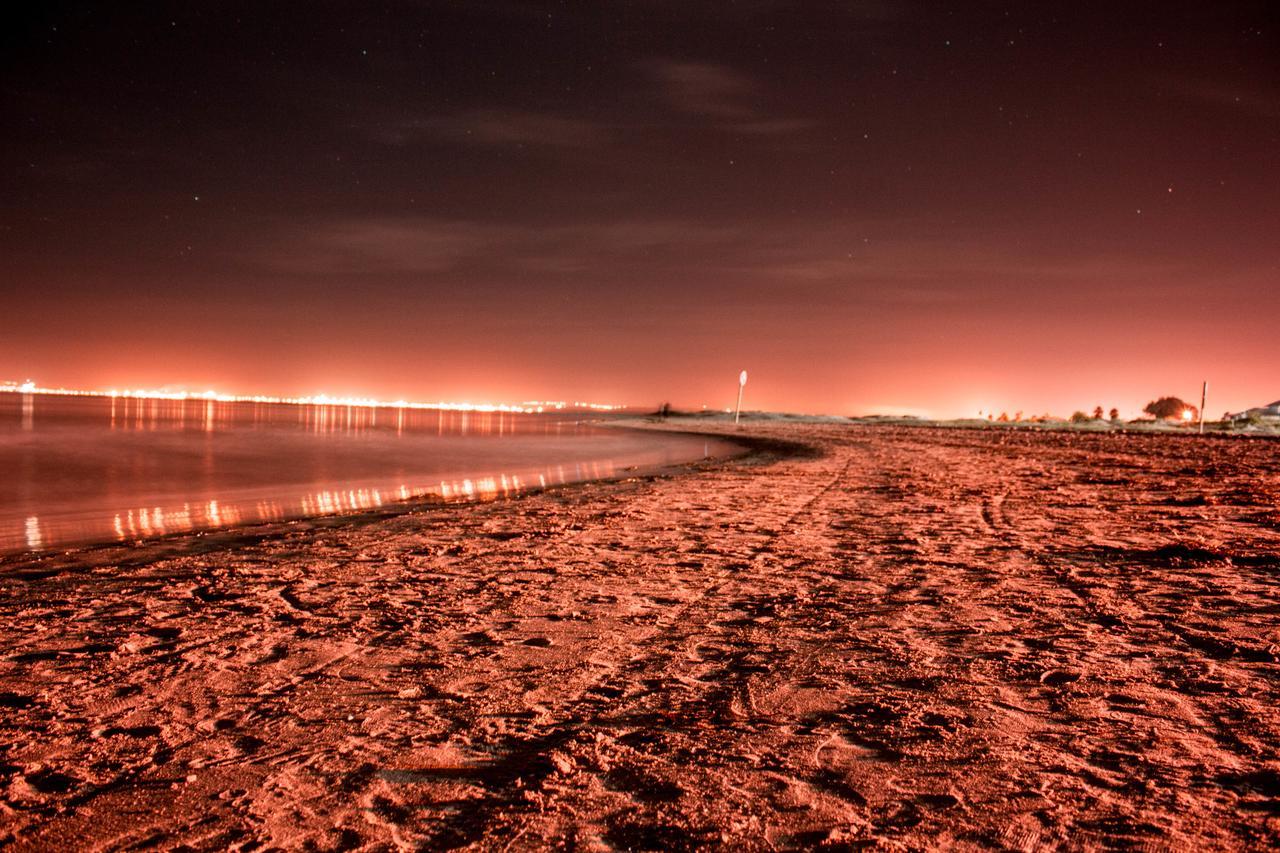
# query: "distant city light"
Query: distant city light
{"points": [[527, 407]]}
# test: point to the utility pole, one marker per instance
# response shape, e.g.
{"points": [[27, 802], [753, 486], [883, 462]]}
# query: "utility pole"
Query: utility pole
{"points": [[742, 383], [1204, 392]]}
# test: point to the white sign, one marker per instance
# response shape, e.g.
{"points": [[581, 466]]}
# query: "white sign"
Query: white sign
{"points": [[742, 378]]}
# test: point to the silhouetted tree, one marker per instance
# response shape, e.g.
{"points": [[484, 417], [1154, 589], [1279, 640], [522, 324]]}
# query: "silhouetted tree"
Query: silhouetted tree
{"points": [[1115, 413], [1079, 417], [1097, 413], [1004, 417], [1168, 407], [664, 410]]}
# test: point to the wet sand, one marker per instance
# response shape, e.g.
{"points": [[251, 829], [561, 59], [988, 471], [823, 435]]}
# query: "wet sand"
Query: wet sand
{"points": [[904, 638]]}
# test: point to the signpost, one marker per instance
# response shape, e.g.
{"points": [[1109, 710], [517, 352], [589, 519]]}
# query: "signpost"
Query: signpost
{"points": [[742, 383]]}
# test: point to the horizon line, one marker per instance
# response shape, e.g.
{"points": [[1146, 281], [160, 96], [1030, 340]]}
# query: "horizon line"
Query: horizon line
{"points": [[210, 396]]}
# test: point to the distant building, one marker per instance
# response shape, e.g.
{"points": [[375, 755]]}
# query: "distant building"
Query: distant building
{"points": [[1267, 413]]}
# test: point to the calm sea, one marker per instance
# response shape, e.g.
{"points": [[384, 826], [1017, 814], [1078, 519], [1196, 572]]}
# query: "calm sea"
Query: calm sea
{"points": [[78, 470]]}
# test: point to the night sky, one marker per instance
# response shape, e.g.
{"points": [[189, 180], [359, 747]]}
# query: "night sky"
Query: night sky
{"points": [[871, 206]]}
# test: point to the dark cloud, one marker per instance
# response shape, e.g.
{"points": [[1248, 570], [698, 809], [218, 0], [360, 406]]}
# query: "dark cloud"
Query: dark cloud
{"points": [[1262, 103], [381, 246], [705, 89], [724, 97], [504, 128]]}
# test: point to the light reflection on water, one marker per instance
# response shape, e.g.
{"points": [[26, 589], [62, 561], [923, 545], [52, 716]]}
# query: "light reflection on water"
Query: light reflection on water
{"points": [[79, 470], [130, 413]]}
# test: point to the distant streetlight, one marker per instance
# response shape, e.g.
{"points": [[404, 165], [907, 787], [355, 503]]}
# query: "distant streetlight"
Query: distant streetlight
{"points": [[1204, 393], [742, 383]]}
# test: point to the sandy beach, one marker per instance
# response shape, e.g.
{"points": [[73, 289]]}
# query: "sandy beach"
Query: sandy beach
{"points": [[885, 637]]}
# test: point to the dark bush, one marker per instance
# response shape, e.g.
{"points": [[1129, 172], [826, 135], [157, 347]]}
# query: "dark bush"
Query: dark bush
{"points": [[1168, 407]]}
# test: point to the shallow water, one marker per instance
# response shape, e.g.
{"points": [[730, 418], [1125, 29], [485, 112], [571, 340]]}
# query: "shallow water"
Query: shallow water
{"points": [[76, 470]]}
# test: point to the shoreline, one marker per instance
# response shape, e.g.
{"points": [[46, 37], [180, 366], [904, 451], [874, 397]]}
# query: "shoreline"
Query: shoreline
{"points": [[897, 638], [1213, 429]]}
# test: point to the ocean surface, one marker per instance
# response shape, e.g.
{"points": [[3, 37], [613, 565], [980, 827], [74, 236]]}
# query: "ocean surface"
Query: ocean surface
{"points": [[80, 470]]}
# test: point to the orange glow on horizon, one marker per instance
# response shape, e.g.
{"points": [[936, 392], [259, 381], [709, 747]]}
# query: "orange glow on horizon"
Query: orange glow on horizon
{"points": [[527, 407]]}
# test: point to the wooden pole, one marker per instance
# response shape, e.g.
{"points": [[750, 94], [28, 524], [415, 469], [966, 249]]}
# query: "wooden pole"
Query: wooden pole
{"points": [[742, 383], [1204, 392]]}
